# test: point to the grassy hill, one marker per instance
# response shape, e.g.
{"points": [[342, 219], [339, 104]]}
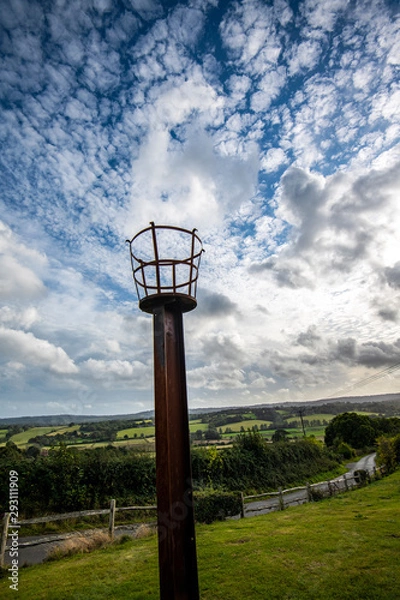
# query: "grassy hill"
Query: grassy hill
{"points": [[344, 548]]}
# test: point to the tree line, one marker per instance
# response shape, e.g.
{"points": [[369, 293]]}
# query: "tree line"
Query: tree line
{"points": [[69, 479], [359, 431]]}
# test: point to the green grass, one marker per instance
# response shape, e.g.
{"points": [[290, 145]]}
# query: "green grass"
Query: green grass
{"points": [[62, 430], [22, 438], [320, 417], [344, 548], [245, 424], [150, 430], [296, 432], [196, 425]]}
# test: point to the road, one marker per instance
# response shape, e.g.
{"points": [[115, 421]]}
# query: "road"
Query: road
{"points": [[366, 463], [297, 497]]}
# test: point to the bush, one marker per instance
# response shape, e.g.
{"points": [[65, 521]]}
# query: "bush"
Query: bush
{"points": [[387, 452], [216, 506], [345, 450]]}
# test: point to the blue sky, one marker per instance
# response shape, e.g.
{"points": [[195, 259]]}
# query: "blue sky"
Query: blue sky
{"points": [[271, 127]]}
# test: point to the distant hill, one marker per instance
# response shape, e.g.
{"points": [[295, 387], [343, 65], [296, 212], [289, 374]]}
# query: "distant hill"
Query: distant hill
{"points": [[54, 420], [355, 399]]}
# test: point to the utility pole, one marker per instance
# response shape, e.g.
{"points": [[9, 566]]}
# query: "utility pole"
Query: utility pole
{"points": [[302, 411]]}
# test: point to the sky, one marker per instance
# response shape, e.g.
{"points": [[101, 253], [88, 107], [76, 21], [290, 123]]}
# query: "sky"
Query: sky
{"points": [[270, 126]]}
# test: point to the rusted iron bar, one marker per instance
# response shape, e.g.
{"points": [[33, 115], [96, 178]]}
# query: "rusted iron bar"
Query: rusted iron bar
{"points": [[176, 530], [156, 258]]}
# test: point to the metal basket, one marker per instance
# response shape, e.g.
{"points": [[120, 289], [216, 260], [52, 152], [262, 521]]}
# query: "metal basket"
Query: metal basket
{"points": [[165, 266]]}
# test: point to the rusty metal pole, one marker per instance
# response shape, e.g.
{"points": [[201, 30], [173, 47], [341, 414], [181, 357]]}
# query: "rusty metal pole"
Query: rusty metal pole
{"points": [[166, 288], [176, 530]]}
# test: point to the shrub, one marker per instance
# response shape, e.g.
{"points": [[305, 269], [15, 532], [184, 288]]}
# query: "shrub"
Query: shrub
{"points": [[345, 450], [387, 452], [216, 506]]}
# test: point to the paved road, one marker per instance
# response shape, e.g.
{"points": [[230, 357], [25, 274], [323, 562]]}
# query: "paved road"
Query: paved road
{"points": [[367, 463], [269, 504]]}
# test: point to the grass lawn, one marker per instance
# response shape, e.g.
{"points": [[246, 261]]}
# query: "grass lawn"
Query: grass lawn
{"points": [[344, 548]]}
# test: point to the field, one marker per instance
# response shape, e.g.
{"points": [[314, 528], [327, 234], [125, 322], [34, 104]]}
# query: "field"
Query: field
{"points": [[137, 435], [21, 439], [149, 431], [236, 427], [62, 430], [344, 548], [146, 430], [317, 417]]}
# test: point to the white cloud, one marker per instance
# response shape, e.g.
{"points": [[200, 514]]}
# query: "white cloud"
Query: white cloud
{"points": [[323, 14], [304, 56], [18, 280], [25, 347], [190, 183], [118, 372], [19, 318], [273, 160]]}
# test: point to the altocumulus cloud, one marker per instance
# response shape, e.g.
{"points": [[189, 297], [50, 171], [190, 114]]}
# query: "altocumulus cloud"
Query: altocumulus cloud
{"points": [[271, 127]]}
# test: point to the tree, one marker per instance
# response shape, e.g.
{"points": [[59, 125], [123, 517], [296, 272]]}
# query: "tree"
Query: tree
{"points": [[280, 435], [251, 441], [351, 428], [212, 433], [32, 451]]}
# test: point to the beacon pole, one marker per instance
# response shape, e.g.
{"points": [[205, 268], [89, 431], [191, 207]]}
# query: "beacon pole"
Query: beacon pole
{"points": [[167, 288]]}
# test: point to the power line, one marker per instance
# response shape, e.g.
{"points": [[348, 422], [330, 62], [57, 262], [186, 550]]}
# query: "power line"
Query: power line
{"points": [[368, 380]]}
